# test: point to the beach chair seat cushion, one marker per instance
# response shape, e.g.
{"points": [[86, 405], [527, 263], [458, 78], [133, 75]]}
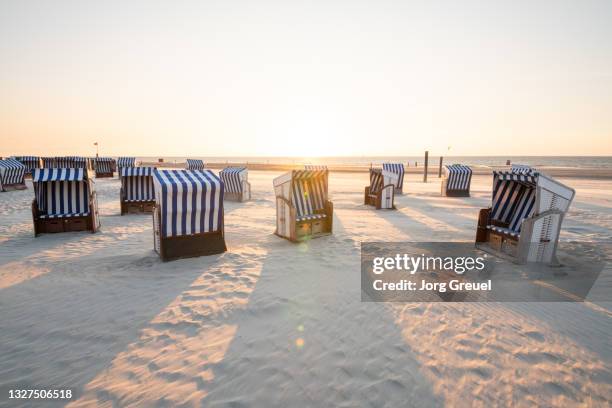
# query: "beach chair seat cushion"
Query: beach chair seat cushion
{"points": [[503, 230], [310, 217], [69, 215]]}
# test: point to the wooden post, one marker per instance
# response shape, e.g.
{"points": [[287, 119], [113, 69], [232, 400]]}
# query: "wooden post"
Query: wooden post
{"points": [[440, 167], [425, 167]]}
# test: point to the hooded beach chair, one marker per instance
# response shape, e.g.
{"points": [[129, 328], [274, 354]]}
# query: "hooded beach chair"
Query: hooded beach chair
{"points": [[525, 217], [236, 184], [30, 163], [48, 162], [398, 170], [71, 162], [64, 200], [456, 181], [188, 214], [194, 164], [64, 162], [137, 194], [12, 175], [303, 210], [103, 166], [381, 191], [125, 162]]}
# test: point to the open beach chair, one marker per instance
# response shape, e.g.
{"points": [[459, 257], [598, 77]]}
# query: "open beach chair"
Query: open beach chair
{"points": [[188, 214], [137, 194], [303, 210], [456, 181], [525, 217], [64, 200], [125, 162], [12, 175], [30, 163], [236, 183], [194, 164], [103, 166], [398, 170], [381, 191]]}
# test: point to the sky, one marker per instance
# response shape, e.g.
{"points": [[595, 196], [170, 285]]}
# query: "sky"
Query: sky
{"points": [[306, 78]]}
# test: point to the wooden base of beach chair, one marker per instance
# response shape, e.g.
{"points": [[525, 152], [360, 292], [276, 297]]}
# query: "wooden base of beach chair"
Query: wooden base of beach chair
{"points": [[376, 199], [68, 224], [104, 174], [187, 246], [299, 231], [456, 193], [495, 242], [190, 246], [137, 207], [13, 187]]}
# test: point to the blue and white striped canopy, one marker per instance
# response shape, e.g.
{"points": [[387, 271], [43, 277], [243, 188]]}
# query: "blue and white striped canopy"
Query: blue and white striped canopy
{"points": [[309, 192], [11, 172], [194, 164], [71, 162], [61, 192], [513, 198], [137, 183], [56, 174], [458, 177], [126, 162], [526, 178], [136, 171], [30, 162], [11, 163], [48, 162], [190, 201], [64, 162], [232, 178], [522, 169], [396, 168]]}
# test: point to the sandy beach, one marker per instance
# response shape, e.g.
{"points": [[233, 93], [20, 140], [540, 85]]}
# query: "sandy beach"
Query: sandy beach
{"points": [[272, 323]]}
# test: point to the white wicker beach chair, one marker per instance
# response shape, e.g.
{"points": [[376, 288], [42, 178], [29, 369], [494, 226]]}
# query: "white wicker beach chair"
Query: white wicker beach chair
{"points": [[381, 191], [398, 170], [525, 217], [303, 210]]}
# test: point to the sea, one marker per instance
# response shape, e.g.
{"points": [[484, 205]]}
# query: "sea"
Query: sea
{"points": [[600, 162]]}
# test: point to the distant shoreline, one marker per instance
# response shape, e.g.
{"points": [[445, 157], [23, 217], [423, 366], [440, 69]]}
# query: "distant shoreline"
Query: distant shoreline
{"points": [[569, 172]]}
